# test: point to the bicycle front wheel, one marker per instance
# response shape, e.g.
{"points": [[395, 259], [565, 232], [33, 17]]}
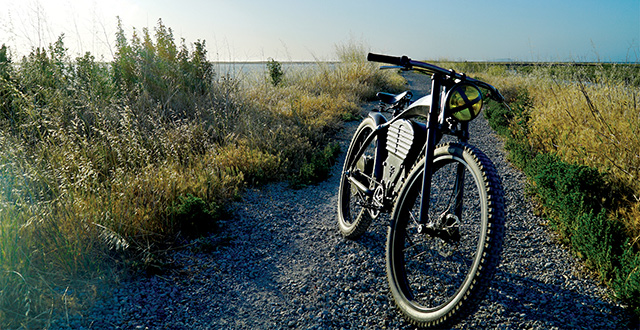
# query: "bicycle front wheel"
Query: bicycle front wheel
{"points": [[436, 275]]}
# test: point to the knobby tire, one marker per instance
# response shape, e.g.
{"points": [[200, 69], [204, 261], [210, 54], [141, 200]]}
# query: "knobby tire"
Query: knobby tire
{"points": [[434, 280]]}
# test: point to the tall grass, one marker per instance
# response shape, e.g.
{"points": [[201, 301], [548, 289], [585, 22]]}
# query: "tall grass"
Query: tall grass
{"points": [[102, 165], [574, 131], [595, 125], [588, 121]]}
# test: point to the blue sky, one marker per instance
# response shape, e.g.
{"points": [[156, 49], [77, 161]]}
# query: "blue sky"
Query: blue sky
{"points": [[248, 30]]}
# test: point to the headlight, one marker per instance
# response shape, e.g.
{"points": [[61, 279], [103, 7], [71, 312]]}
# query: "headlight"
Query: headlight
{"points": [[463, 101]]}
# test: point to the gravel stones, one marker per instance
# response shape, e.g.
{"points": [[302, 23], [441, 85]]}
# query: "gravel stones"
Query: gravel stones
{"points": [[286, 266]]}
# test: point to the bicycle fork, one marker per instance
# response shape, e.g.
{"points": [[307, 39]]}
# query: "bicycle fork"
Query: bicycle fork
{"points": [[438, 227]]}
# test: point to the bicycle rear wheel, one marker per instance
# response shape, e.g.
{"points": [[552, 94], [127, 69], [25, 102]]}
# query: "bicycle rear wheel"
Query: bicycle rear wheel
{"points": [[354, 212], [434, 277]]}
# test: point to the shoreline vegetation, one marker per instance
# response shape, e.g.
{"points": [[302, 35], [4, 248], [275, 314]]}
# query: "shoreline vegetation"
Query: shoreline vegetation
{"points": [[106, 166], [574, 131]]}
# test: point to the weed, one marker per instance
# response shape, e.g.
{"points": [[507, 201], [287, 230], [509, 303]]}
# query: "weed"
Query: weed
{"points": [[599, 241], [626, 282], [317, 168]]}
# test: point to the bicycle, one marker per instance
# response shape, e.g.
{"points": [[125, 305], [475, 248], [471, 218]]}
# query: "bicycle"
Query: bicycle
{"points": [[445, 199]]}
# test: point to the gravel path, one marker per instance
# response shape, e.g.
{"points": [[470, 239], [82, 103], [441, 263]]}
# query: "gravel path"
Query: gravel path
{"points": [[282, 263]]}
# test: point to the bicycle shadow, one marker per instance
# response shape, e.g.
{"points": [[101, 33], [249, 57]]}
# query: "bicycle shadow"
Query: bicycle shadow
{"points": [[519, 300], [546, 305]]}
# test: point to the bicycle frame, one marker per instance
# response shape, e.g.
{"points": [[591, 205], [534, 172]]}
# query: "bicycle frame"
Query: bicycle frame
{"points": [[434, 134]]}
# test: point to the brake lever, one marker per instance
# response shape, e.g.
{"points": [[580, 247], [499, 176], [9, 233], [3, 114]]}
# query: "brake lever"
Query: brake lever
{"points": [[386, 67], [494, 94], [498, 97]]}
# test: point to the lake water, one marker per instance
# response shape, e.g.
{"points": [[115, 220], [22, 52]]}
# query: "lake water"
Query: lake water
{"points": [[242, 69]]}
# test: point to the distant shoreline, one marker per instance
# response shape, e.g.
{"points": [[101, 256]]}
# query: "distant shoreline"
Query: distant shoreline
{"points": [[265, 62]]}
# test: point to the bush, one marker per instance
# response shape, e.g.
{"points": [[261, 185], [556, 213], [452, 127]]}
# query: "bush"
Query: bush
{"points": [[275, 71], [598, 240], [318, 167], [513, 124], [501, 117], [578, 199], [564, 186], [626, 283], [193, 216]]}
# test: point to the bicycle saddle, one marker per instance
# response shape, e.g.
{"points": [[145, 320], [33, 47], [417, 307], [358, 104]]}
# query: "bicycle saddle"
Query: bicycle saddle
{"points": [[392, 99]]}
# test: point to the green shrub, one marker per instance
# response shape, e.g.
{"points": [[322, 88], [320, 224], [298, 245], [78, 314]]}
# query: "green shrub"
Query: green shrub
{"points": [[569, 187], [598, 239], [193, 216], [275, 71], [499, 117], [568, 191], [155, 74], [318, 167], [513, 124], [627, 280]]}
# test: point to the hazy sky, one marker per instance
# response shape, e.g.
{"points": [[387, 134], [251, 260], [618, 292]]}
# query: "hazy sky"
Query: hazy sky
{"points": [[244, 30]]}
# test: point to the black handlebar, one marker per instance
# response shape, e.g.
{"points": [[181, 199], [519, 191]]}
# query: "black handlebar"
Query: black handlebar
{"points": [[401, 61], [408, 63]]}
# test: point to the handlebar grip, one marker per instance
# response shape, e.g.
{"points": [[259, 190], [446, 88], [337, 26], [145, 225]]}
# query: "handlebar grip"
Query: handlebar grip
{"points": [[402, 61]]}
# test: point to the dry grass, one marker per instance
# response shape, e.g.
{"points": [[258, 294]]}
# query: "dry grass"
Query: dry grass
{"points": [[588, 123], [92, 171], [594, 125], [575, 134]]}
